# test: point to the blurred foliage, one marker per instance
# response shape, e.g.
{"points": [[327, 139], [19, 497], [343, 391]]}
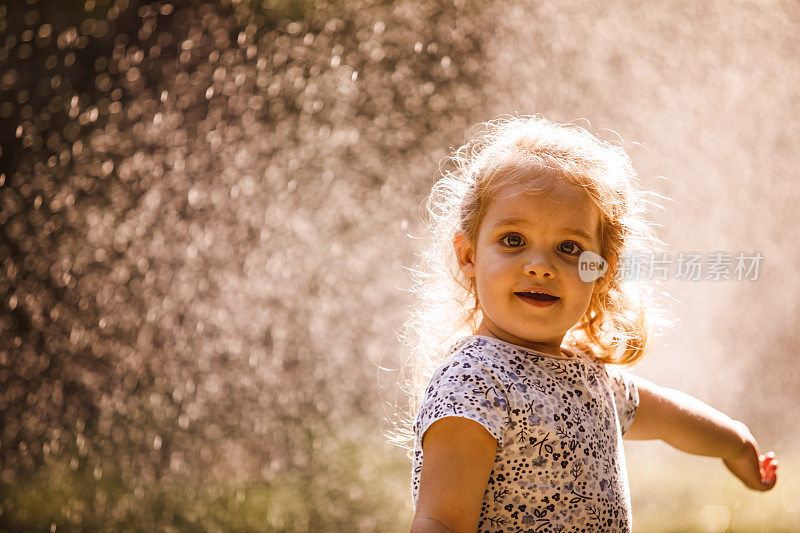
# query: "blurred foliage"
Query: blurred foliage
{"points": [[675, 492], [353, 489]]}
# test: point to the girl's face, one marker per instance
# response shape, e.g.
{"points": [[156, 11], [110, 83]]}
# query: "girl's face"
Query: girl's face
{"points": [[531, 242]]}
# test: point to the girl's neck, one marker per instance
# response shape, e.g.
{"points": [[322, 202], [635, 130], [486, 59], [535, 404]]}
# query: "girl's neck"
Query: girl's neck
{"points": [[549, 348]]}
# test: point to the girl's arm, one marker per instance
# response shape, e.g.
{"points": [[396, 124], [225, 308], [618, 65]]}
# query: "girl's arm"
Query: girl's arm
{"points": [[694, 427], [458, 457]]}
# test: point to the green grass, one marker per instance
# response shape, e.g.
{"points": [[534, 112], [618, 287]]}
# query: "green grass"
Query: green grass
{"points": [[363, 485], [354, 485]]}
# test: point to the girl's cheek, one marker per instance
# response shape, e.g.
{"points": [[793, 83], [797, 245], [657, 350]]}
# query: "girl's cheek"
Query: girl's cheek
{"points": [[571, 269]]}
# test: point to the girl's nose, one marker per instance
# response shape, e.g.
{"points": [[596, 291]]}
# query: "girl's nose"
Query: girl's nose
{"points": [[540, 266]]}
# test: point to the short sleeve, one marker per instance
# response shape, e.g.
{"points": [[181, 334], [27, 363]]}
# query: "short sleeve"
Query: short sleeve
{"points": [[468, 388], [626, 396]]}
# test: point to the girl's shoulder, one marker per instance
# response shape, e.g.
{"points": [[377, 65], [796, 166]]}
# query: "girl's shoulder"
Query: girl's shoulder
{"points": [[470, 359], [473, 346], [479, 352], [472, 352], [619, 376]]}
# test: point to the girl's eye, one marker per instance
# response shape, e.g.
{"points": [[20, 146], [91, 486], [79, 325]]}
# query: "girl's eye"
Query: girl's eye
{"points": [[512, 240], [570, 248]]}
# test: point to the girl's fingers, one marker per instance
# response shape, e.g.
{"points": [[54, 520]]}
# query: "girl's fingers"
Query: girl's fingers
{"points": [[769, 469], [768, 458]]}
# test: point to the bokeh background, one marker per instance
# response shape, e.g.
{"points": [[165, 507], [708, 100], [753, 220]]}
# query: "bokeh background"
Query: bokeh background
{"points": [[208, 211]]}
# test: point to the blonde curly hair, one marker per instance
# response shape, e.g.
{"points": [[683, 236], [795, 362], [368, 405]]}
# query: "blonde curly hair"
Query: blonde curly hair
{"points": [[620, 321]]}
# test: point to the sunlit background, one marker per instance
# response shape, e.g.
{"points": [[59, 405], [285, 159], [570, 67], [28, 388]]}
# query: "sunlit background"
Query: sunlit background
{"points": [[206, 209]]}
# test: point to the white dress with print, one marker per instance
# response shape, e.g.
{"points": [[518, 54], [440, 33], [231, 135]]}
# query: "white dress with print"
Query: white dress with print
{"points": [[558, 421]]}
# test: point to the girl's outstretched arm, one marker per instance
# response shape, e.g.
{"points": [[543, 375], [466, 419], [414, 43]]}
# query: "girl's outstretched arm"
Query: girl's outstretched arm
{"points": [[695, 427]]}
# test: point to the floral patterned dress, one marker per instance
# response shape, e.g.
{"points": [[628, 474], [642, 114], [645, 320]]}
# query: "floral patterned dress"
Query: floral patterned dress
{"points": [[558, 421]]}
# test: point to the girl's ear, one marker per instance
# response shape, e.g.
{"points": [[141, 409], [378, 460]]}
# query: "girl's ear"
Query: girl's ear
{"points": [[464, 253]]}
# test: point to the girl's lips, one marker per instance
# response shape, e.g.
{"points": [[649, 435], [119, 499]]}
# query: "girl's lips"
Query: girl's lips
{"points": [[537, 303]]}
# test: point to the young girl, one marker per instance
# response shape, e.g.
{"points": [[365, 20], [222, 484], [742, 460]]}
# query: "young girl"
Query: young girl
{"points": [[520, 426]]}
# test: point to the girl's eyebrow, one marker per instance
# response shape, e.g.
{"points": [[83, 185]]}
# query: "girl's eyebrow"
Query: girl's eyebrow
{"points": [[513, 221]]}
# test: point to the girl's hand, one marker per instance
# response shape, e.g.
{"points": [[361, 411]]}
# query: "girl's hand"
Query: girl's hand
{"points": [[758, 472]]}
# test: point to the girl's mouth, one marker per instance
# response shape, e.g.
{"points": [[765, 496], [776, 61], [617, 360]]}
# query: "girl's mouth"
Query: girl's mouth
{"points": [[537, 299]]}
